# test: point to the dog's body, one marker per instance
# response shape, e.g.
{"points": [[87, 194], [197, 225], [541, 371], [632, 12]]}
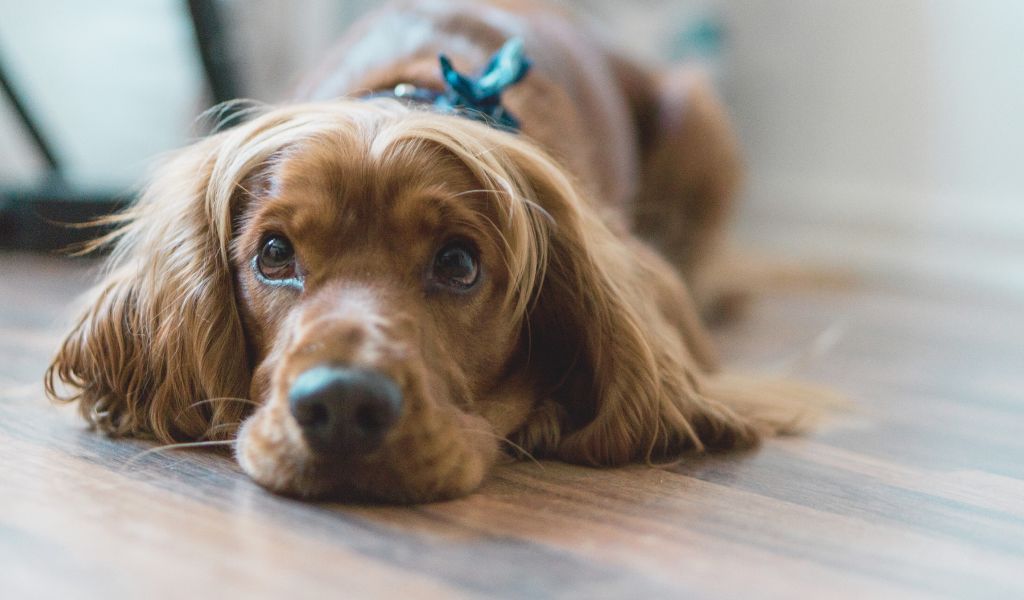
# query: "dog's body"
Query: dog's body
{"points": [[398, 290]]}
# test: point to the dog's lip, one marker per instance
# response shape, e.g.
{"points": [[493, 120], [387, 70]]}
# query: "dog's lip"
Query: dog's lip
{"points": [[325, 482], [326, 478], [362, 481]]}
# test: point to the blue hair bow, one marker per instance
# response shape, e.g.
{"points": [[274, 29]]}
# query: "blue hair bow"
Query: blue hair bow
{"points": [[480, 97]]}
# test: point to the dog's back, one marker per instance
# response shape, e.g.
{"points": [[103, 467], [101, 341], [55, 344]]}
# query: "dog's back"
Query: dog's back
{"points": [[571, 103]]}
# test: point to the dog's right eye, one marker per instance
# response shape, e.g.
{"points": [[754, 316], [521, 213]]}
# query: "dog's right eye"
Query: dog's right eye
{"points": [[276, 260]]}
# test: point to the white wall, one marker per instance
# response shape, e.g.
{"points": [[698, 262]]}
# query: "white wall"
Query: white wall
{"points": [[112, 84], [897, 118], [899, 123], [917, 101]]}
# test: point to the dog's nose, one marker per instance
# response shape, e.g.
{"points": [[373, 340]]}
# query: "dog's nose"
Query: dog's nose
{"points": [[344, 411]]}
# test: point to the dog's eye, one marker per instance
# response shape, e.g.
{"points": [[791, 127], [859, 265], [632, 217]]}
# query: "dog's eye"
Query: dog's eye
{"points": [[455, 265], [276, 259]]}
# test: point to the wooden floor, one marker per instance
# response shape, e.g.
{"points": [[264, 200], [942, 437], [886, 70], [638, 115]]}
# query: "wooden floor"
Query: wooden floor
{"points": [[918, 490]]}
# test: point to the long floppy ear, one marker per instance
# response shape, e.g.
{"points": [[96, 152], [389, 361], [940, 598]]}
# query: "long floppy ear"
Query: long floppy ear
{"points": [[617, 339], [161, 332]]}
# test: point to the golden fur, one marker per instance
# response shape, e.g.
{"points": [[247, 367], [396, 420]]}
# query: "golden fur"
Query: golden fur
{"points": [[581, 343]]}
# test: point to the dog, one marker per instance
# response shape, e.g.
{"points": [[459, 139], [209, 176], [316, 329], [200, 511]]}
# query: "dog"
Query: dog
{"points": [[379, 298]]}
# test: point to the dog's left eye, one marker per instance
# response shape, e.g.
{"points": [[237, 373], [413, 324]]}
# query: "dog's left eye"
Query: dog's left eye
{"points": [[276, 260], [456, 265]]}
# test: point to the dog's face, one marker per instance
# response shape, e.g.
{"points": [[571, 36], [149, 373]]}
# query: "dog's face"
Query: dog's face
{"points": [[398, 294], [373, 287]]}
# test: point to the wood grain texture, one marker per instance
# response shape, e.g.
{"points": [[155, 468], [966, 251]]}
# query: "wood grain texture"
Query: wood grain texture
{"points": [[916, 490]]}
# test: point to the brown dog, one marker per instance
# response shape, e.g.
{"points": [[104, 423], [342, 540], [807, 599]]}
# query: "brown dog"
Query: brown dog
{"points": [[400, 291]]}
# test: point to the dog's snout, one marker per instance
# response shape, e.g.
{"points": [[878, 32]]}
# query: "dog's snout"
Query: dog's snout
{"points": [[344, 411]]}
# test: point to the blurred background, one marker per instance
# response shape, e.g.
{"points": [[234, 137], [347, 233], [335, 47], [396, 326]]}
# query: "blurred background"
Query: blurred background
{"points": [[882, 136]]}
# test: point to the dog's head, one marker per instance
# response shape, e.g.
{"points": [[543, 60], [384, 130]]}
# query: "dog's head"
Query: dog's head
{"points": [[397, 292]]}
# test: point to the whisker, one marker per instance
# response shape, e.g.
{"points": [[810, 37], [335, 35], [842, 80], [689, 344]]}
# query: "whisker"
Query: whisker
{"points": [[817, 349], [514, 445], [223, 399], [484, 191], [179, 446], [214, 400], [225, 426]]}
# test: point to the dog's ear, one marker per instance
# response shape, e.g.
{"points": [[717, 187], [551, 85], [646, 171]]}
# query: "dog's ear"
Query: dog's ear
{"points": [[618, 343], [159, 351]]}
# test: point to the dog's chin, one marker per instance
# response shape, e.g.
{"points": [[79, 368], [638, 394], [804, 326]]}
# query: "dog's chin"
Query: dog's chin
{"points": [[410, 467]]}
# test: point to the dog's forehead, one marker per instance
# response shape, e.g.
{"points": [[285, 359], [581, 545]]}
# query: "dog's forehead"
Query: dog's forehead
{"points": [[337, 187]]}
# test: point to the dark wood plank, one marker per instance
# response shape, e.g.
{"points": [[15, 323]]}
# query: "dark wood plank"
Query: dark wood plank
{"points": [[916, 490]]}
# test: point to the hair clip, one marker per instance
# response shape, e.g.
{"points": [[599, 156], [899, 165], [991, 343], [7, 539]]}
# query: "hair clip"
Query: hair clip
{"points": [[480, 97]]}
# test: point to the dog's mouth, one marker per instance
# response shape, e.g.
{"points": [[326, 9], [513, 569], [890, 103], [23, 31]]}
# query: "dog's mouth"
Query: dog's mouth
{"points": [[355, 434]]}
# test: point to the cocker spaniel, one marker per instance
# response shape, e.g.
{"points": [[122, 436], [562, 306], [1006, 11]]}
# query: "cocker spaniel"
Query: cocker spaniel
{"points": [[380, 288]]}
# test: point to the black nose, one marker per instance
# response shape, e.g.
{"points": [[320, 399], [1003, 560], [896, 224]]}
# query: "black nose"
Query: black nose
{"points": [[344, 411]]}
